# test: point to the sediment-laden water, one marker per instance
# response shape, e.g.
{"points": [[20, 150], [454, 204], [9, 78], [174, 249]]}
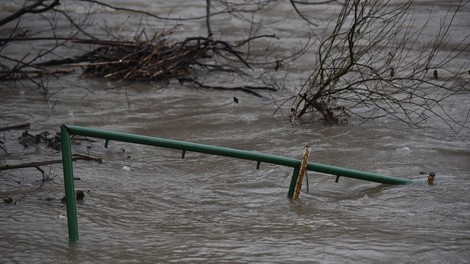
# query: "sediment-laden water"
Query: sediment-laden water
{"points": [[147, 205]]}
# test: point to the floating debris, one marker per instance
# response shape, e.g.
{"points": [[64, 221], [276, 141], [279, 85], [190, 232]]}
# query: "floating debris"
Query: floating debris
{"points": [[152, 59], [431, 177], [79, 196], [50, 140], [8, 200]]}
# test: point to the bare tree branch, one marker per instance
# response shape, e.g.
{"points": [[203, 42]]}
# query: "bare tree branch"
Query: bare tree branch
{"points": [[367, 64], [37, 7], [38, 164]]}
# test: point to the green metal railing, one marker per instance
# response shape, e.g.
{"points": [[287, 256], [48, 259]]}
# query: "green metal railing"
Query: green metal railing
{"points": [[68, 130]]}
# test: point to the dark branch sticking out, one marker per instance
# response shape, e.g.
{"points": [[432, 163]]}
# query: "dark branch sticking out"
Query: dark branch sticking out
{"points": [[159, 60]]}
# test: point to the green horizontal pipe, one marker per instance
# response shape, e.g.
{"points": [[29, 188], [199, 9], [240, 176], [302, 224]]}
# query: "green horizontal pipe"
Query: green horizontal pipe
{"points": [[234, 153], [357, 174], [182, 145]]}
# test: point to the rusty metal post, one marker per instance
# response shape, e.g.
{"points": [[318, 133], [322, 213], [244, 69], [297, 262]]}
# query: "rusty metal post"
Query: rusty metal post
{"points": [[303, 168]]}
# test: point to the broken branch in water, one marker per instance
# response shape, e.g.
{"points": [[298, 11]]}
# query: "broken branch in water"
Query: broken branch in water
{"points": [[150, 60], [144, 59], [15, 127], [37, 164], [246, 88]]}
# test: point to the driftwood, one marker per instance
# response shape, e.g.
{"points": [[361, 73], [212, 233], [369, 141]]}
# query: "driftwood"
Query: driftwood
{"points": [[37, 164], [155, 60], [35, 8], [13, 75], [45, 177], [151, 60], [158, 59], [144, 59], [50, 140], [15, 127], [245, 88]]}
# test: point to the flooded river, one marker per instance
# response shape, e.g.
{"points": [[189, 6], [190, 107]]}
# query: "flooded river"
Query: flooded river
{"points": [[147, 205]]}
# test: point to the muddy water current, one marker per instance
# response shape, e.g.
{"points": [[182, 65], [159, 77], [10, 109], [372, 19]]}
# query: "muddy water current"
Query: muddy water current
{"points": [[147, 205]]}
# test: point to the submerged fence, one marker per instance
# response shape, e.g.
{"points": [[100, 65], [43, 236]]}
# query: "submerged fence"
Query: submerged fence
{"points": [[68, 130]]}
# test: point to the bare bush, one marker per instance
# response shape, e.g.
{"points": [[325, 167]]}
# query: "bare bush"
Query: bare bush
{"points": [[22, 65], [143, 55], [373, 63]]}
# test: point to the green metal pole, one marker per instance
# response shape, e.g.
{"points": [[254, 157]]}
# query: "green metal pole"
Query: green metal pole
{"points": [[182, 145], [293, 181], [357, 174], [235, 153], [69, 184]]}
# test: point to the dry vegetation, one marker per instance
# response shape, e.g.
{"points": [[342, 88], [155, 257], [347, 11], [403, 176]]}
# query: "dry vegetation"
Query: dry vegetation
{"points": [[366, 63]]}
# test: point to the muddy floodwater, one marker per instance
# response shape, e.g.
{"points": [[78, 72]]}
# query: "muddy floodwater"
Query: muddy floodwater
{"points": [[148, 205]]}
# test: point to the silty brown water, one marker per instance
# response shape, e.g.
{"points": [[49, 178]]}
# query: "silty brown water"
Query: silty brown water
{"points": [[146, 204]]}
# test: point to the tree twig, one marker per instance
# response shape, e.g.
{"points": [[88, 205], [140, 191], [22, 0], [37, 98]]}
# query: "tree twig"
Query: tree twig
{"points": [[15, 127], [208, 18], [37, 164], [246, 88], [33, 8]]}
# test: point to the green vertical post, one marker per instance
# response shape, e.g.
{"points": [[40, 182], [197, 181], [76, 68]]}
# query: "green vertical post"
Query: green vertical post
{"points": [[293, 182], [69, 184]]}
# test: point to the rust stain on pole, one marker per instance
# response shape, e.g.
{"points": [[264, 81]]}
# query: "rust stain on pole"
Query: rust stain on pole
{"points": [[303, 168]]}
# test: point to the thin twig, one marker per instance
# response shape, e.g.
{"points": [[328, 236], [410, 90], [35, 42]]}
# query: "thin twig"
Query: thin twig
{"points": [[15, 127], [37, 164]]}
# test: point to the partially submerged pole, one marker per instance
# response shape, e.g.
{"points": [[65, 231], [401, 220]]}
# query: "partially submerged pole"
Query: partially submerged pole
{"points": [[299, 166], [69, 184], [303, 168]]}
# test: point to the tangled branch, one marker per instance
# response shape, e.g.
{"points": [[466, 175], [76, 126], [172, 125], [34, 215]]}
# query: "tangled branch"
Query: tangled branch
{"points": [[368, 66], [39, 6]]}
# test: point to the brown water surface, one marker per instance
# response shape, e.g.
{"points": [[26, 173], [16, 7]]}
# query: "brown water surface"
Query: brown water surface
{"points": [[147, 205]]}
